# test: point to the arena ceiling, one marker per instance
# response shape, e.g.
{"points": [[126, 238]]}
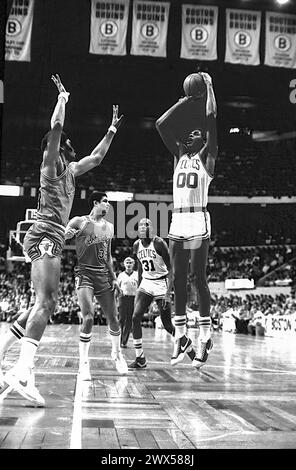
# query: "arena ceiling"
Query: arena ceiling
{"points": [[253, 96]]}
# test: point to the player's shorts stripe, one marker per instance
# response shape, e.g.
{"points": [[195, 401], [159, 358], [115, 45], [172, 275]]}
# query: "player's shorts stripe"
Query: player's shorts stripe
{"points": [[189, 209], [203, 236]]}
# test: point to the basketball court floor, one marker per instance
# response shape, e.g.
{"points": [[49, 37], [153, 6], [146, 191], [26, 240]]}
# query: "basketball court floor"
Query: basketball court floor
{"points": [[243, 398]]}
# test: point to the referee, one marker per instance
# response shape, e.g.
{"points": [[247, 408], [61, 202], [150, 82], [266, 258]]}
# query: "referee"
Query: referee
{"points": [[128, 283]]}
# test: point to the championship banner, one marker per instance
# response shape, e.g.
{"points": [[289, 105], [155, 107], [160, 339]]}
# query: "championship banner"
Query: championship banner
{"points": [[199, 32], [280, 40], [108, 27], [150, 25], [242, 36], [19, 30]]}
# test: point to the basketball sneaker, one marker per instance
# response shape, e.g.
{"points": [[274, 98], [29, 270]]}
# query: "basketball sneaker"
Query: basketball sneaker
{"points": [[181, 347], [84, 371], [191, 354], [139, 363], [24, 385], [4, 391], [120, 363], [202, 353]]}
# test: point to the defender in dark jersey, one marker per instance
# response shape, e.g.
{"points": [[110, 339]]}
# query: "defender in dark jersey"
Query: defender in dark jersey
{"points": [[44, 241], [95, 277], [190, 228], [155, 283]]}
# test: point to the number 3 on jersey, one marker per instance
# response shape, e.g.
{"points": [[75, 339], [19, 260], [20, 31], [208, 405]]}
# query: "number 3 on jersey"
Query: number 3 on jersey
{"points": [[190, 180], [148, 265]]}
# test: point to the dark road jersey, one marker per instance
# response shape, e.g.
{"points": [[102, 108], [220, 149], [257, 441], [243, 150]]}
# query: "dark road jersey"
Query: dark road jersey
{"points": [[56, 197], [92, 245]]}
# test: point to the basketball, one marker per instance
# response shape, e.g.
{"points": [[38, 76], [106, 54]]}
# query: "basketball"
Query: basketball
{"points": [[194, 85]]}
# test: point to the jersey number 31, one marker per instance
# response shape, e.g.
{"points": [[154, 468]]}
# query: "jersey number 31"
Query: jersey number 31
{"points": [[148, 265]]}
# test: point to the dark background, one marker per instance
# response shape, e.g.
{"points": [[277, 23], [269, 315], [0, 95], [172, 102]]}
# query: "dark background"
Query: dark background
{"points": [[144, 87]]}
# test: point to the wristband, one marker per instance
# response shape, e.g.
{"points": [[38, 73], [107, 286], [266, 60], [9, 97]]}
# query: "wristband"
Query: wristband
{"points": [[112, 129], [64, 95]]}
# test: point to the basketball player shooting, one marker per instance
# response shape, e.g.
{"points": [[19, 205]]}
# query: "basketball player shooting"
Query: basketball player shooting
{"points": [[194, 147], [45, 239]]}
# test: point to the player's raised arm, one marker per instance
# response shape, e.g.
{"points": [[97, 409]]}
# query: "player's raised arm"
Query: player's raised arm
{"points": [[52, 146], [99, 152], [164, 127], [209, 153], [211, 146]]}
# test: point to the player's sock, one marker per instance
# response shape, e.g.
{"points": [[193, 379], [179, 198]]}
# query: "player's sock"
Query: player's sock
{"points": [[26, 359], [115, 339], [17, 330], [180, 326], [138, 347], [84, 344], [15, 333], [204, 329]]}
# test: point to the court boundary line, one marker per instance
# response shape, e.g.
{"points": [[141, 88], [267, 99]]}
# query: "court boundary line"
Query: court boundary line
{"points": [[76, 433]]}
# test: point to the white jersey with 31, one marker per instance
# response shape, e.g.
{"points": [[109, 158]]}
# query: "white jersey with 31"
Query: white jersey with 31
{"points": [[153, 265]]}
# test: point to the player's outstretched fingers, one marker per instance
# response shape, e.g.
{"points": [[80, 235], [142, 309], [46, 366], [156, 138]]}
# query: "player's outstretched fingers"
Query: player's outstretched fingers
{"points": [[119, 121]]}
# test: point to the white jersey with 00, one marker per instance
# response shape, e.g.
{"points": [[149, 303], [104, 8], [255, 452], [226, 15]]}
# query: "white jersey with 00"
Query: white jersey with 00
{"points": [[153, 265], [190, 219]]}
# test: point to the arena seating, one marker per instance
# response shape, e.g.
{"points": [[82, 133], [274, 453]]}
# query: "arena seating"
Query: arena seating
{"points": [[257, 169]]}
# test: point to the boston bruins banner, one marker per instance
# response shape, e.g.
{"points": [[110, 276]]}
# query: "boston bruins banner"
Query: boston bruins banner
{"points": [[280, 40], [108, 27], [150, 24], [199, 32], [242, 36], [19, 30]]}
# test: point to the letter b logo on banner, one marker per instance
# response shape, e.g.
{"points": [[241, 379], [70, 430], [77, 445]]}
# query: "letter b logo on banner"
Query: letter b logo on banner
{"points": [[282, 43], [242, 39], [149, 31], [13, 27], [199, 35], [108, 29]]}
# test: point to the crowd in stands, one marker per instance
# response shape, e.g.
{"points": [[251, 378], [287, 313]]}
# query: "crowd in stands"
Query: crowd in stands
{"points": [[242, 315], [253, 262], [243, 244], [253, 169], [256, 170], [261, 262], [150, 173]]}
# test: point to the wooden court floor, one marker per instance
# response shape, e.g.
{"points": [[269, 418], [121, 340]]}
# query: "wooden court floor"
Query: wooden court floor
{"points": [[243, 398]]}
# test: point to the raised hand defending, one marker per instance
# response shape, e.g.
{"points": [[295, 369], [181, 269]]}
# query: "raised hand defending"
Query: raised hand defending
{"points": [[116, 121], [62, 90]]}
